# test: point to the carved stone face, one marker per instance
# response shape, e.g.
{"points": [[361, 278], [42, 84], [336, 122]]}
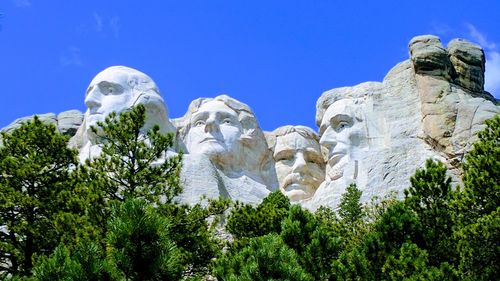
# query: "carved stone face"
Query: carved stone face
{"points": [[109, 91], [342, 133], [215, 131], [298, 165]]}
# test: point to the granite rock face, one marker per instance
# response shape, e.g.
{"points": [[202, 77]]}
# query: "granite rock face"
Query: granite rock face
{"points": [[375, 134], [224, 143], [66, 122], [117, 89]]}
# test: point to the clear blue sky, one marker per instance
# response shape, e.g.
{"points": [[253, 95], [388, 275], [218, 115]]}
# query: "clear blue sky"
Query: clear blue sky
{"points": [[276, 56]]}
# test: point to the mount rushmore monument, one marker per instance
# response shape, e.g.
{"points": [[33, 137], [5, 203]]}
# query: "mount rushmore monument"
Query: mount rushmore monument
{"points": [[375, 134]]}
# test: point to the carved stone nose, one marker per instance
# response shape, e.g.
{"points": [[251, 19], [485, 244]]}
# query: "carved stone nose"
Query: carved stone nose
{"points": [[93, 99], [300, 163], [210, 125], [328, 140]]}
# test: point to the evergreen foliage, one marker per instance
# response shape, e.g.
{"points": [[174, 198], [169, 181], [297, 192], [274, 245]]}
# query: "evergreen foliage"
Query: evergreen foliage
{"points": [[35, 186], [481, 194], [264, 258], [134, 163], [115, 218], [85, 262], [350, 207], [248, 221], [192, 233], [430, 197], [139, 243]]}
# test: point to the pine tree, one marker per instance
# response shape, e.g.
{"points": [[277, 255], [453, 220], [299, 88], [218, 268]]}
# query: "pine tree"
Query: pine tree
{"points": [[264, 258], [35, 186], [481, 194], [430, 197], [132, 164], [139, 243], [478, 221], [85, 262], [350, 207], [249, 221]]}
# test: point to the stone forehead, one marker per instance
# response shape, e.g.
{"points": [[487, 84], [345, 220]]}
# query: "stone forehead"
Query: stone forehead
{"points": [[301, 130], [119, 72], [358, 94], [234, 104], [215, 105], [245, 114], [296, 141]]}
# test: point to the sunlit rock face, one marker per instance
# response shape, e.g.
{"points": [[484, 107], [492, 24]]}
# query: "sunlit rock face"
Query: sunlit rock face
{"points": [[223, 141], [299, 163], [377, 134], [117, 89]]}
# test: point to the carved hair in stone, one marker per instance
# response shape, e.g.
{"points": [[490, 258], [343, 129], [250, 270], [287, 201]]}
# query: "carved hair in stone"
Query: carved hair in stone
{"points": [[299, 163], [227, 132], [117, 89], [343, 131]]}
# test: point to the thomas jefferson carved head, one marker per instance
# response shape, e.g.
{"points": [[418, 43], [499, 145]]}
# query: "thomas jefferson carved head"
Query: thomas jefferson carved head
{"points": [[226, 131]]}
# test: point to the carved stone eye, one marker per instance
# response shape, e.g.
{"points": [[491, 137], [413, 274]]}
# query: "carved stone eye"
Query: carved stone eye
{"points": [[199, 123]]}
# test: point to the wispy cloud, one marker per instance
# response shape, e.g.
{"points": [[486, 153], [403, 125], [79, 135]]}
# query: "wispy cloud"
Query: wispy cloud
{"points": [[492, 73], [71, 57], [105, 26], [479, 37], [441, 29], [114, 25], [98, 25], [22, 3]]}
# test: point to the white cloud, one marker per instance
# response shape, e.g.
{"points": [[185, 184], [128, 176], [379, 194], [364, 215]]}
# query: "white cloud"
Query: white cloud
{"points": [[479, 37], [114, 25], [71, 57], [22, 3], [441, 29], [98, 22], [492, 73], [105, 26]]}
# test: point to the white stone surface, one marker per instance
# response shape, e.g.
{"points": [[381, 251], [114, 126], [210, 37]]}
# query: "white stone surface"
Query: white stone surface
{"points": [[225, 132], [375, 134], [378, 134]]}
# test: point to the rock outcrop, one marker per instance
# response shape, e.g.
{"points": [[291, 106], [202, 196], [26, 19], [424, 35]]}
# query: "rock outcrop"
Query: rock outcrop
{"points": [[66, 122], [430, 106], [375, 134]]}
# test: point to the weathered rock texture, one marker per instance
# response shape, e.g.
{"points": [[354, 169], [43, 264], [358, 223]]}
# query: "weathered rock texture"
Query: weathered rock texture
{"points": [[66, 122], [375, 134], [430, 106], [225, 144]]}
